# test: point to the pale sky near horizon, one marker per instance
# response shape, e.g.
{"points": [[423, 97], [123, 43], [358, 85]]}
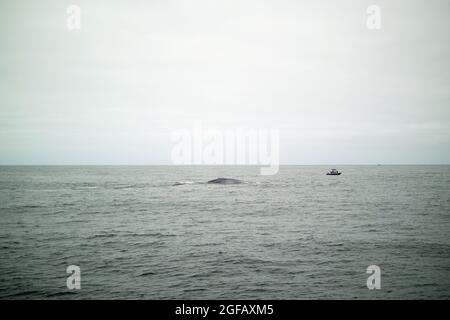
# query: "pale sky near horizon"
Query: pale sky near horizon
{"points": [[114, 91]]}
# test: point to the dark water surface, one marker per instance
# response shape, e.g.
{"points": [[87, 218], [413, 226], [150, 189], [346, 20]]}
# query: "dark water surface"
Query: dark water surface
{"points": [[295, 235]]}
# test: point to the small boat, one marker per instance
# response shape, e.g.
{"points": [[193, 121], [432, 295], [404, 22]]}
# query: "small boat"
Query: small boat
{"points": [[333, 172]]}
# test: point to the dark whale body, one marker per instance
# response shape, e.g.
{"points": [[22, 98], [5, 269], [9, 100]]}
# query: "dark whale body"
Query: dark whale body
{"points": [[225, 181]]}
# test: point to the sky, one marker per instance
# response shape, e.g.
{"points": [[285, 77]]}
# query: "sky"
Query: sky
{"points": [[114, 91]]}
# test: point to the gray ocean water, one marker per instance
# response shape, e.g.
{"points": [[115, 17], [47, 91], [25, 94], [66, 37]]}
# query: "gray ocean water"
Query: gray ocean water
{"points": [[296, 235]]}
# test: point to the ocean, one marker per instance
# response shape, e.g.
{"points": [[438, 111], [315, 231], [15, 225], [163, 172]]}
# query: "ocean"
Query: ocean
{"points": [[161, 232]]}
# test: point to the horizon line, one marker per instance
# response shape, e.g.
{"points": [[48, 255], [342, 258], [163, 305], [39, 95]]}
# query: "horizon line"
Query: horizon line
{"points": [[222, 165]]}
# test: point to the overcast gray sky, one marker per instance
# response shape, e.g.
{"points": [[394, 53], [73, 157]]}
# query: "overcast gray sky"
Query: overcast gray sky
{"points": [[114, 91]]}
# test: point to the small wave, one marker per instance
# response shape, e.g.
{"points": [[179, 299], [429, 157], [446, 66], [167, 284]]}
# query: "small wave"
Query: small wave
{"points": [[84, 187], [106, 235], [146, 273], [180, 183], [60, 294], [194, 290], [23, 294], [156, 234], [132, 235], [29, 206], [66, 204], [130, 186], [222, 181]]}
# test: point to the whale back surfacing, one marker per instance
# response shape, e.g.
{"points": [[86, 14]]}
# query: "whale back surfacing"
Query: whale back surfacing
{"points": [[225, 181]]}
